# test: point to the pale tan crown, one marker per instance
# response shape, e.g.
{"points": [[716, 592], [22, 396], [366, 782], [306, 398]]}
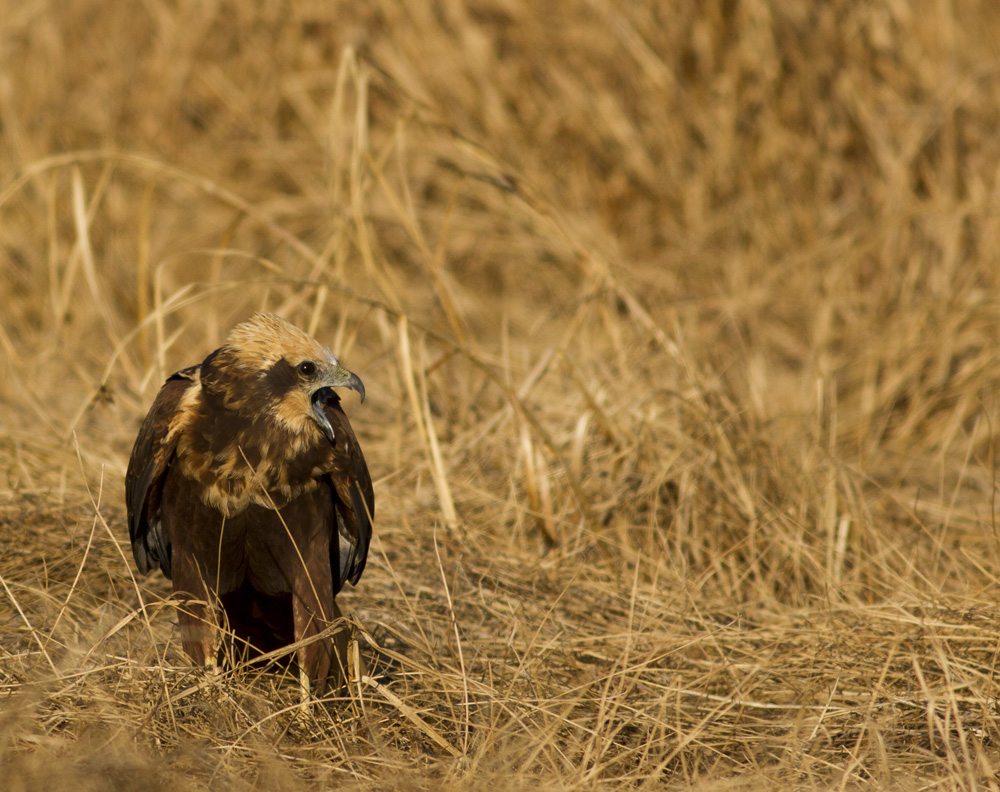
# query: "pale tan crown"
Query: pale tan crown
{"points": [[263, 339]]}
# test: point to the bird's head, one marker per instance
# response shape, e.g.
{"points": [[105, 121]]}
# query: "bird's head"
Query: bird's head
{"points": [[270, 367]]}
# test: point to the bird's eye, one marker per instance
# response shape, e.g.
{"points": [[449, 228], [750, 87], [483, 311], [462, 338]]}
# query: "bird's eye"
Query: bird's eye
{"points": [[307, 368]]}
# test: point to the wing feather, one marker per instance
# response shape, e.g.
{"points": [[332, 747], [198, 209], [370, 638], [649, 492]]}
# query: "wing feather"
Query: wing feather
{"points": [[151, 457], [355, 497]]}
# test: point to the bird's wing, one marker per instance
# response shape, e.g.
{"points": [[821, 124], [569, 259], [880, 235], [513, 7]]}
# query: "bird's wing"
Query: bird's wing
{"points": [[151, 457], [355, 498]]}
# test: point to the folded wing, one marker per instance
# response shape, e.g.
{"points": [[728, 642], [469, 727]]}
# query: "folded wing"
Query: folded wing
{"points": [[354, 505], [151, 457]]}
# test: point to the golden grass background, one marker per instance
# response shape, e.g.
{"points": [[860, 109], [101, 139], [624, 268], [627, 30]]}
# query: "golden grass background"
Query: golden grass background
{"points": [[679, 329]]}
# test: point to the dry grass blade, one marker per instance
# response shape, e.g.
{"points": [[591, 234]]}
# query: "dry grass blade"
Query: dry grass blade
{"points": [[410, 714], [424, 423]]}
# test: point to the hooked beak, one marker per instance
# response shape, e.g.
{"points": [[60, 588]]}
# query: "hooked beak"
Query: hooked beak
{"points": [[339, 377], [354, 383]]}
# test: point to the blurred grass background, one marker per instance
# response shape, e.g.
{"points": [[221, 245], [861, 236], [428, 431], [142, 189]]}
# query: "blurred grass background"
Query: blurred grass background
{"points": [[679, 329]]}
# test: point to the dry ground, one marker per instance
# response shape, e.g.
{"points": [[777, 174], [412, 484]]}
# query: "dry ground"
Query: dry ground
{"points": [[679, 328]]}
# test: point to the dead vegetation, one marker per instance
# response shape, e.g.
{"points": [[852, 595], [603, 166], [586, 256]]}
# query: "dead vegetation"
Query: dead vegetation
{"points": [[679, 327]]}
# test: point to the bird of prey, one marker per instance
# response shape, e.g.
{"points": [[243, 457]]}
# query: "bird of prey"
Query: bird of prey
{"points": [[247, 488]]}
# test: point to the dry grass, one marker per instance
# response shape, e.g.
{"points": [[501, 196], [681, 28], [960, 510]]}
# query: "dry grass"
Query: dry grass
{"points": [[679, 327]]}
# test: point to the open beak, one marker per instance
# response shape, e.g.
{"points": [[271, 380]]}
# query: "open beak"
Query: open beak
{"points": [[339, 377]]}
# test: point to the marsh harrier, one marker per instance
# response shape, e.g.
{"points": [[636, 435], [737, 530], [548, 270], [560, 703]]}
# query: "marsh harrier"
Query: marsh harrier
{"points": [[247, 488]]}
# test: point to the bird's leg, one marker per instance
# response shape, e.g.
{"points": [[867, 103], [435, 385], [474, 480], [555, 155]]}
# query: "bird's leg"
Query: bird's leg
{"points": [[341, 650], [356, 666], [197, 618], [303, 687], [336, 673], [322, 656], [198, 632], [314, 658]]}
